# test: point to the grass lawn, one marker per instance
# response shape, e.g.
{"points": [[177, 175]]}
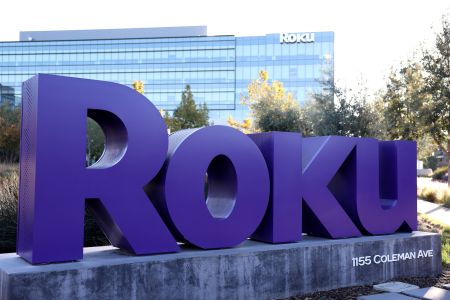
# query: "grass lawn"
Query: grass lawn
{"points": [[428, 224]]}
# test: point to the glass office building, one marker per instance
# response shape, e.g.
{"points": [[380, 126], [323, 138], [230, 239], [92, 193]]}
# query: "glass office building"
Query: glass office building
{"points": [[218, 68]]}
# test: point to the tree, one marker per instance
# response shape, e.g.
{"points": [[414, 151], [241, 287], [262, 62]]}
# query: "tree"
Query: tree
{"points": [[138, 86], [435, 111], [95, 142], [339, 111], [246, 126], [417, 98], [367, 115], [278, 119], [272, 108], [187, 114], [9, 132], [327, 110], [404, 99], [379, 125]]}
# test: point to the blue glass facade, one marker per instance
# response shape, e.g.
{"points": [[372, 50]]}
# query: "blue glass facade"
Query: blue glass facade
{"points": [[218, 68]]}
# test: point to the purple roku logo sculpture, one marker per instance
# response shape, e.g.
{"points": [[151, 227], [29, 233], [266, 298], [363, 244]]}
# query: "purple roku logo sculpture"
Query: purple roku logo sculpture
{"points": [[147, 189]]}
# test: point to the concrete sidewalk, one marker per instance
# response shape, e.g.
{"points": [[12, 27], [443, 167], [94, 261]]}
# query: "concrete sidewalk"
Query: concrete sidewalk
{"points": [[434, 211]]}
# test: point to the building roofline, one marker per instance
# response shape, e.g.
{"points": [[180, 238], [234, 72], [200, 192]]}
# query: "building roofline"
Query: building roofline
{"points": [[111, 34]]}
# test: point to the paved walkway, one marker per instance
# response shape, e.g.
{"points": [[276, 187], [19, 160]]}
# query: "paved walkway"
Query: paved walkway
{"points": [[430, 293], [434, 211], [423, 182]]}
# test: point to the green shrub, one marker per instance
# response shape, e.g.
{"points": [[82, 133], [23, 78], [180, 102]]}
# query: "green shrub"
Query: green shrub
{"points": [[446, 198], [420, 193], [8, 211], [430, 225], [428, 195], [446, 246], [430, 162], [439, 173], [431, 196], [7, 169]]}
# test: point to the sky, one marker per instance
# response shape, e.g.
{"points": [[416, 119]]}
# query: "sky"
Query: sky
{"points": [[370, 36]]}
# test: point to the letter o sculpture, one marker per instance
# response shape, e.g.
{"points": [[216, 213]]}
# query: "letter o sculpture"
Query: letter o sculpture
{"points": [[238, 187]]}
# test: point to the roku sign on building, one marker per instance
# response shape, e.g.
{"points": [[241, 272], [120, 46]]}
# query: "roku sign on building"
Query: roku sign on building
{"points": [[147, 191]]}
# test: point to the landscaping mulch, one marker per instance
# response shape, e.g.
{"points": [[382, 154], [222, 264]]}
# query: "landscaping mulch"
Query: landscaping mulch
{"points": [[356, 291], [344, 293]]}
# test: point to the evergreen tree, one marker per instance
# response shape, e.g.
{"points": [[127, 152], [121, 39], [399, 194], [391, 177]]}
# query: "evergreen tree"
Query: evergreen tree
{"points": [[9, 132], [338, 111], [435, 112], [187, 114], [404, 99]]}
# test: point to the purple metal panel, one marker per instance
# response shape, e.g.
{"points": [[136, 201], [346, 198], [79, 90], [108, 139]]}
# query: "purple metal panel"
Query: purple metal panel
{"points": [[283, 219], [51, 215], [27, 182], [322, 213], [345, 186], [238, 192], [354, 185], [386, 199]]}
